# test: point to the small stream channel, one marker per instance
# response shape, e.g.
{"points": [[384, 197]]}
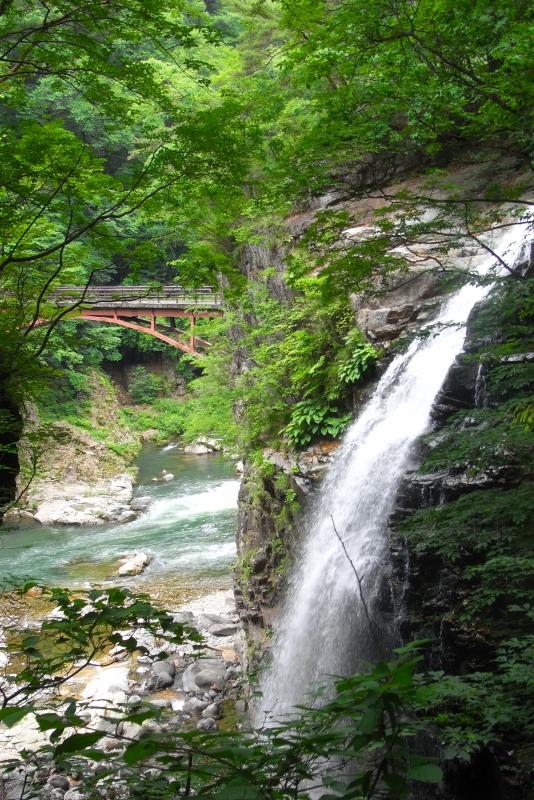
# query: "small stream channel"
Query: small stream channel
{"points": [[188, 530]]}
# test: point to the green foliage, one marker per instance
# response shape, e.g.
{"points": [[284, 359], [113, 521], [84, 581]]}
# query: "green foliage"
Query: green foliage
{"points": [[359, 356], [145, 386], [302, 357], [370, 722], [165, 415], [388, 79], [310, 419]]}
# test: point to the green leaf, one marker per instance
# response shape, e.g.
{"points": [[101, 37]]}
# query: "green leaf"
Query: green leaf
{"points": [[10, 716], [426, 773], [78, 742], [139, 751]]}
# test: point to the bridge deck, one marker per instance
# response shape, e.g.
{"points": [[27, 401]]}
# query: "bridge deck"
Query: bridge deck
{"points": [[140, 297]]}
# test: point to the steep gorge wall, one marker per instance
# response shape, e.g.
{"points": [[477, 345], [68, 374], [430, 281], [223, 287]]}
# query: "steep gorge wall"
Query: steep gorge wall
{"points": [[461, 542]]}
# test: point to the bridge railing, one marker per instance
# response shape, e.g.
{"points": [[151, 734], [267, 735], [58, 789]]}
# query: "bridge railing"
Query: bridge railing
{"points": [[172, 296]]}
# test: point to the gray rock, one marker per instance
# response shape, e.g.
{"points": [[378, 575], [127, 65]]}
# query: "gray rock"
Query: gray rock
{"points": [[213, 711], [102, 767], [207, 724], [183, 617], [134, 564], [225, 629], [162, 680], [151, 726], [210, 669], [134, 700], [207, 620], [59, 782], [194, 705], [73, 794], [233, 672], [131, 730], [118, 790], [168, 666], [81, 503], [141, 503], [110, 743], [127, 516], [240, 706], [209, 678], [49, 793]]}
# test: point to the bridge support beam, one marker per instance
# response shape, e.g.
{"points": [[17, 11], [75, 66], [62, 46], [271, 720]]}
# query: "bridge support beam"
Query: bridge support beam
{"points": [[131, 319]]}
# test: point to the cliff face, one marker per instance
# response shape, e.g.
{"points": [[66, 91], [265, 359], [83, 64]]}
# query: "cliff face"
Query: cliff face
{"points": [[277, 486], [461, 541], [76, 470]]}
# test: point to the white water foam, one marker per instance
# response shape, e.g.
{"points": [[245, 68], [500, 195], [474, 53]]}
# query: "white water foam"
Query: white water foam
{"points": [[324, 631], [221, 497]]}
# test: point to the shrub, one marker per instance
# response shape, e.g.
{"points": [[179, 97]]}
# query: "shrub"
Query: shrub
{"points": [[145, 387]]}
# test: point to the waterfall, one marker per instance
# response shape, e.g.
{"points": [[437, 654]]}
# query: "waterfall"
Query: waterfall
{"points": [[324, 630]]}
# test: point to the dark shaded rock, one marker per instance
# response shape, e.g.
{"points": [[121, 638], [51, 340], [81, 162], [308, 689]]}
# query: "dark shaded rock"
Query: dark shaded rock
{"points": [[226, 629], [164, 667], [207, 724], [59, 782], [161, 680]]}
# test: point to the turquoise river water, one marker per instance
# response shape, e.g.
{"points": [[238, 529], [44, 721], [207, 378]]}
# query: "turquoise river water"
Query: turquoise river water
{"points": [[188, 530]]}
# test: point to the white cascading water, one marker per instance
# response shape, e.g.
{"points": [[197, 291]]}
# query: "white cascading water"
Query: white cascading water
{"points": [[324, 630]]}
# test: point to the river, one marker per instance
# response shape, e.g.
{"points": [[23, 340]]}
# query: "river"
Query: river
{"points": [[188, 530]]}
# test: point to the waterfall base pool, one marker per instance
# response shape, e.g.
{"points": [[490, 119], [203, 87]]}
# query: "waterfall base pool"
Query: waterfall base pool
{"points": [[188, 530]]}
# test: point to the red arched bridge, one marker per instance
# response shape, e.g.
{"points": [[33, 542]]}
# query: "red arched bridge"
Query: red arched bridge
{"points": [[147, 309]]}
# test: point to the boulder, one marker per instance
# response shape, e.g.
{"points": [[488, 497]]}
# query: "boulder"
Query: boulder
{"points": [[168, 666], [226, 629], [59, 782], [203, 674], [213, 711], [209, 678], [82, 503], [207, 724], [194, 705], [162, 680], [73, 794], [127, 516], [141, 503], [134, 564], [131, 730], [207, 620], [49, 793], [202, 446], [17, 516], [183, 617]]}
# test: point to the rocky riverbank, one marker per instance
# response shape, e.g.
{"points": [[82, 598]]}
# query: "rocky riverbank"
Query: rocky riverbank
{"points": [[188, 688]]}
